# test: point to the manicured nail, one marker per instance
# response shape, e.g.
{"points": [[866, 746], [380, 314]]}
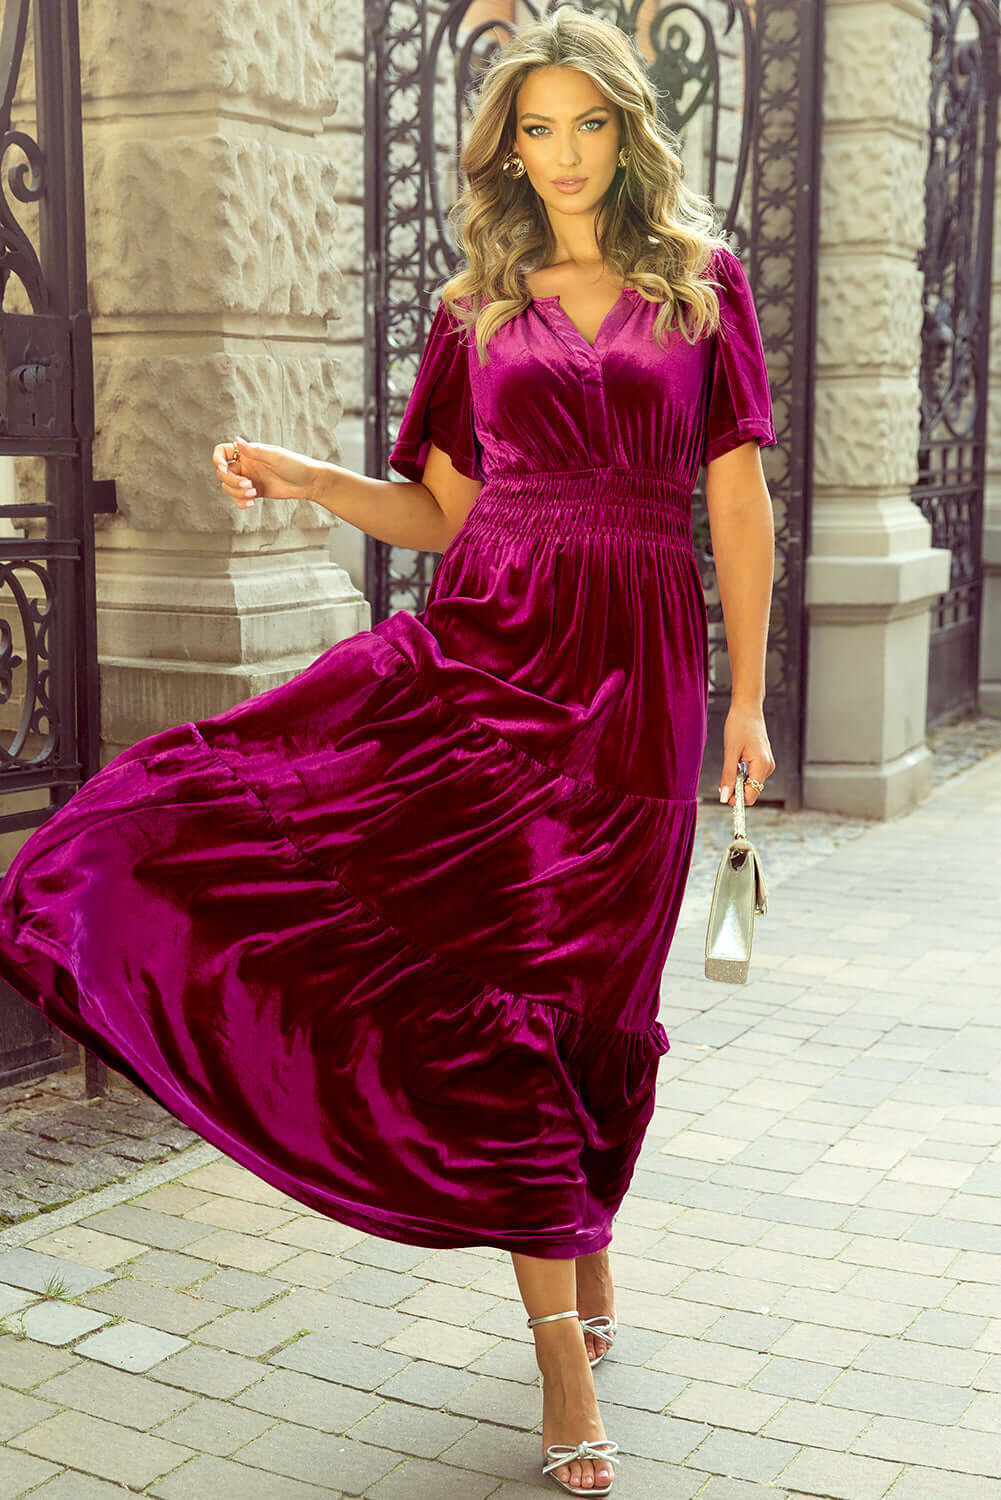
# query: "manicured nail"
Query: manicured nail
{"points": [[724, 794]]}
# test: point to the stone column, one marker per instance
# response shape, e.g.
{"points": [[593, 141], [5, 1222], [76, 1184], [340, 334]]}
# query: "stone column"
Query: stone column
{"points": [[212, 221], [871, 572], [989, 687]]}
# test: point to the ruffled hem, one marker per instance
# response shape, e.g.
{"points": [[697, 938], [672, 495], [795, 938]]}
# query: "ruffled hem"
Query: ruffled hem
{"points": [[163, 922]]}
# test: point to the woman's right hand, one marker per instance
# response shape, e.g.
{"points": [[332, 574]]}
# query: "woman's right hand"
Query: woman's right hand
{"points": [[263, 469]]}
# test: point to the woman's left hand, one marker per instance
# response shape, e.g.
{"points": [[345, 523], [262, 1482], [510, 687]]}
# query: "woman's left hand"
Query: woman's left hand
{"points": [[745, 738]]}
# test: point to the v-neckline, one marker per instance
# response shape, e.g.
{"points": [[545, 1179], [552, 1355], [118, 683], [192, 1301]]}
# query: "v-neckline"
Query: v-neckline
{"points": [[607, 324]]}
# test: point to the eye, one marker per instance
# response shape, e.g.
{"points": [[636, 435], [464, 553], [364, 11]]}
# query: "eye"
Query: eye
{"points": [[530, 129]]}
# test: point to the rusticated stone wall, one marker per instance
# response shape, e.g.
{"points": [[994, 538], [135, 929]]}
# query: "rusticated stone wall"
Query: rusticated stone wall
{"points": [[871, 571], [212, 225]]}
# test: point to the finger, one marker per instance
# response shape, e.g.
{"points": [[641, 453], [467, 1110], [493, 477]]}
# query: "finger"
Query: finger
{"points": [[728, 779]]}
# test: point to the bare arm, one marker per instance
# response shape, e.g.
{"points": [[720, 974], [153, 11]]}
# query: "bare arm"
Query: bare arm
{"points": [[437, 512], [423, 515], [743, 537]]}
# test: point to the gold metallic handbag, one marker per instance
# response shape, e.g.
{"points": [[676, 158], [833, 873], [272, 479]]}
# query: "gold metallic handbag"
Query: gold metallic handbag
{"points": [[738, 894]]}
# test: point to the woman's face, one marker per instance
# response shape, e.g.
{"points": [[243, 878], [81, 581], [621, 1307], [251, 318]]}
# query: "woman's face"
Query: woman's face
{"points": [[565, 127]]}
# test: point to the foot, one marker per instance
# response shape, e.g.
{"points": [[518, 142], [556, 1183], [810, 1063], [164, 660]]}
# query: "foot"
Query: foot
{"points": [[595, 1294], [569, 1405]]}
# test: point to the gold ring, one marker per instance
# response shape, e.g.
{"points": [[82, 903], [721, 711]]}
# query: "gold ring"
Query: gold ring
{"points": [[236, 455], [759, 786]]}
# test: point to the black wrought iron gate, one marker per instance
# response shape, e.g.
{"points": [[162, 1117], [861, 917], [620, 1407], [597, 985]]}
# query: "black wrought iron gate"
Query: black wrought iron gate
{"points": [[958, 271], [743, 90], [48, 623]]}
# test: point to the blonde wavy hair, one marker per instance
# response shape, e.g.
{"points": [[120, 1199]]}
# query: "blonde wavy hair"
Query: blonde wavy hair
{"points": [[655, 232]]}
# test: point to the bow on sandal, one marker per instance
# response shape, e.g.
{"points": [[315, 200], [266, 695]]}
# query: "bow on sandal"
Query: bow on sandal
{"points": [[559, 1454], [608, 1332]]}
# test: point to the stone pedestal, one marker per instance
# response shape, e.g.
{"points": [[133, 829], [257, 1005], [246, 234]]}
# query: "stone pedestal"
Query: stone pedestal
{"points": [[871, 573]]}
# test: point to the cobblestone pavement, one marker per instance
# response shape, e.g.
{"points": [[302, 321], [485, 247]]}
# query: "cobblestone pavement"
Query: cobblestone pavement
{"points": [[809, 1285]]}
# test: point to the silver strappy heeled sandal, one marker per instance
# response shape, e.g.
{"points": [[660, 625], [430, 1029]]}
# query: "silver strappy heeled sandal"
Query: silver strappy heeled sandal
{"points": [[608, 1332], [559, 1454]]}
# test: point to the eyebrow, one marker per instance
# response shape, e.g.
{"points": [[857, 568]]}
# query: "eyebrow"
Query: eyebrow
{"points": [[550, 121]]}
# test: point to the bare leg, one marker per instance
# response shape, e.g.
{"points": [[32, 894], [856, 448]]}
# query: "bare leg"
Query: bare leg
{"points": [[569, 1404], [595, 1294]]}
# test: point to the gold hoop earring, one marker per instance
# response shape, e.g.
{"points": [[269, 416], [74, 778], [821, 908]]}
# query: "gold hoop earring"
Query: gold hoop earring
{"points": [[513, 165]]}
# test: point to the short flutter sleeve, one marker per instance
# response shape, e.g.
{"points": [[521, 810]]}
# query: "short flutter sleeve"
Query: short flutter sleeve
{"points": [[440, 408], [739, 402]]}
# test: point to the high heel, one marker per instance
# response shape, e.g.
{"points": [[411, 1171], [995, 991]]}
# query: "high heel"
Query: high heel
{"points": [[611, 1328], [559, 1454]]}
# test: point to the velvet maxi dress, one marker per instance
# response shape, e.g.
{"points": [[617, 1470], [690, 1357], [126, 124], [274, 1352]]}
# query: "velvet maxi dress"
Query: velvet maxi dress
{"points": [[391, 934]]}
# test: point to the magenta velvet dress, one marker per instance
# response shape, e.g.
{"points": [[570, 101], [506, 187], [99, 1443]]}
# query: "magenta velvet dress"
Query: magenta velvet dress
{"points": [[391, 934]]}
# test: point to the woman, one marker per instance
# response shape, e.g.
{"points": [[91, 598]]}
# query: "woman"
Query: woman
{"points": [[392, 933]]}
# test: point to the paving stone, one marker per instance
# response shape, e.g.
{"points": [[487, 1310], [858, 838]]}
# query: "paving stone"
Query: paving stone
{"points": [[333, 1358], [13, 1299], [780, 1208], [697, 1360], [253, 1333], [393, 1255], [18, 1411], [247, 1251], [417, 1430], [795, 1377], [431, 1385], [86, 1247], [666, 1438], [748, 1330], [961, 1234], [26, 1364], [104, 1448], [20, 1472], [417, 1477], [165, 1231], [29, 1269], [718, 1488], [507, 1360], [308, 1400], [213, 1372], [902, 1287], [450, 1345], [136, 1400], [817, 1426], [171, 1268], [361, 1322], [130, 1346], [837, 1310], [221, 1479], [961, 1330], [57, 1322], [772, 1266], [891, 1396], [72, 1485], [310, 1268], [840, 1475], [934, 1484], [501, 1451], [452, 1304], [984, 1412], [508, 1403], [212, 1426], [155, 1306], [960, 1449], [319, 1457], [740, 1455], [916, 1361], [723, 1406], [233, 1288]]}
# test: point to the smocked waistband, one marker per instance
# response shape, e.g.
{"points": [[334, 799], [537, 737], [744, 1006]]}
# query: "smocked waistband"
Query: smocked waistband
{"points": [[625, 502]]}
